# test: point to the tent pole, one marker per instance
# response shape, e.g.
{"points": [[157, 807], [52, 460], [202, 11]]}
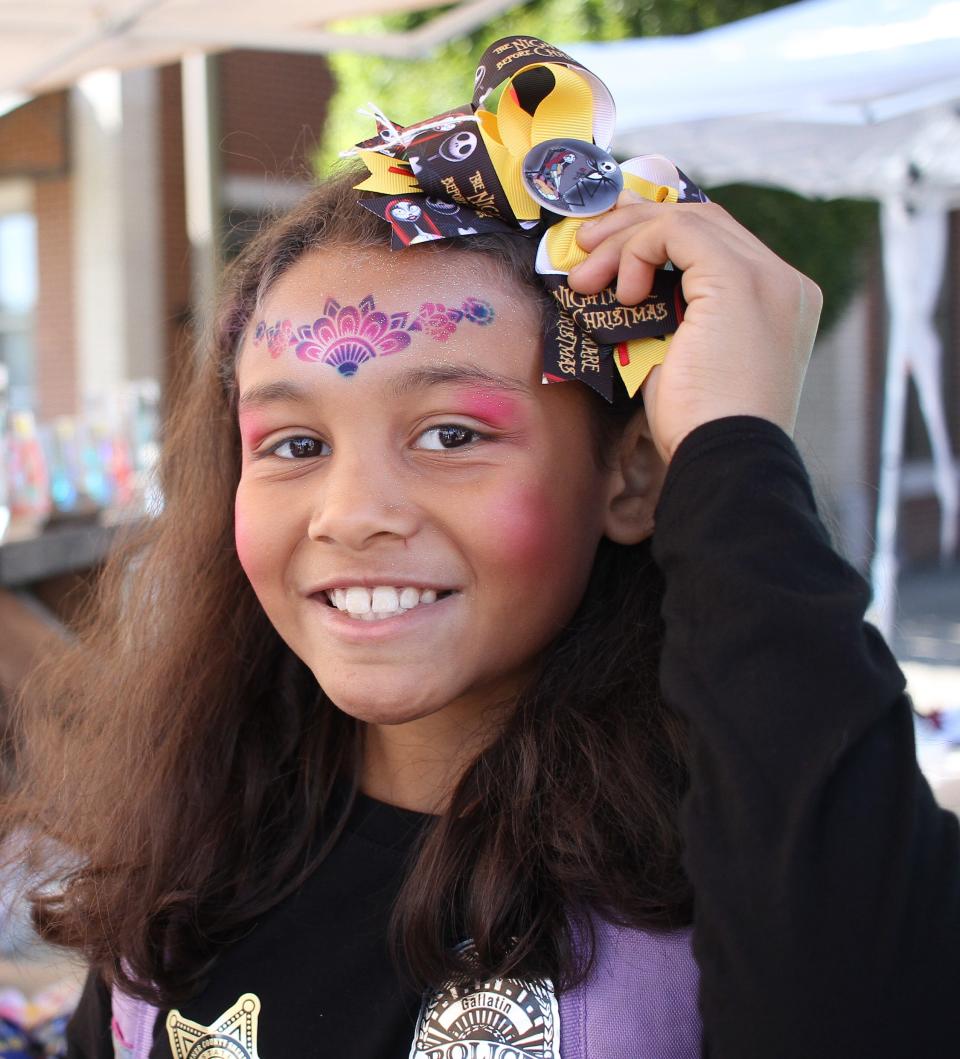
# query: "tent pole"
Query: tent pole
{"points": [[895, 232], [931, 236], [914, 256], [202, 181]]}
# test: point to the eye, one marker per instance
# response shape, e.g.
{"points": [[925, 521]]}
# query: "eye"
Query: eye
{"points": [[300, 446], [448, 436]]}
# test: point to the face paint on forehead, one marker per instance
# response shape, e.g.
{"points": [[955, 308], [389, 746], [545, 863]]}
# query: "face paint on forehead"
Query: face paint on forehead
{"points": [[347, 335]]}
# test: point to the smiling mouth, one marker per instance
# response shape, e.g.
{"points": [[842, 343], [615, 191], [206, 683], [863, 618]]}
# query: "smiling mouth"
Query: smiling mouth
{"points": [[384, 601]]}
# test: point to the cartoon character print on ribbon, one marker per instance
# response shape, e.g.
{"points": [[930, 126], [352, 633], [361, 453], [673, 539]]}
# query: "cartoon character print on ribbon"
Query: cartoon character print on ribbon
{"points": [[395, 139], [572, 178], [530, 155], [410, 223], [346, 336], [419, 219]]}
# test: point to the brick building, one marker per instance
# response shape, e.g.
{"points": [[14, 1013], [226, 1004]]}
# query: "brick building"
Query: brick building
{"points": [[92, 191]]}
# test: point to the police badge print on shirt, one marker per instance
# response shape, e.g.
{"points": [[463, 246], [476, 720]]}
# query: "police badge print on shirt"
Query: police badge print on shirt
{"points": [[232, 1036], [501, 1018]]}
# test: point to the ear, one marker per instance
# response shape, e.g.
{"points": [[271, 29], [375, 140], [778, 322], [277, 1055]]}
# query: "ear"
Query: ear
{"points": [[635, 483]]}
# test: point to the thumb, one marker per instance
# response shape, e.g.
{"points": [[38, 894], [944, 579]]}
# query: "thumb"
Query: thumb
{"points": [[648, 390]]}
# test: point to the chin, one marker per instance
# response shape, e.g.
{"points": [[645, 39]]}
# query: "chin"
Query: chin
{"points": [[374, 703]]}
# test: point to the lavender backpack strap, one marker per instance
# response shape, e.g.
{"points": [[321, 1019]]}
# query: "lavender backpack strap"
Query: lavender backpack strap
{"points": [[641, 999], [131, 1025]]}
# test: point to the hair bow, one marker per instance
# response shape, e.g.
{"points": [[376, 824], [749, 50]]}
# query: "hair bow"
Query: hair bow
{"points": [[530, 154]]}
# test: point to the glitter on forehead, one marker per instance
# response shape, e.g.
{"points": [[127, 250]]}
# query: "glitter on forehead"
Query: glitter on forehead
{"points": [[346, 336]]}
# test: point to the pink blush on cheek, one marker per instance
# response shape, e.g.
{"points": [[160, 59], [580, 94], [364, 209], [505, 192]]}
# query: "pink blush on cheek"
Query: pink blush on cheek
{"points": [[252, 550], [524, 522], [242, 538]]}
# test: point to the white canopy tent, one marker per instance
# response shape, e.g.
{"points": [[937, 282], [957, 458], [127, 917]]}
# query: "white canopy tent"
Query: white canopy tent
{"points": [[828, 98], [49, 44]]}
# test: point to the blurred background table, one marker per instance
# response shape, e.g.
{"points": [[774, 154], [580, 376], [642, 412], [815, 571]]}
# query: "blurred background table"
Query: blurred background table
{"points": [[43, 581]]}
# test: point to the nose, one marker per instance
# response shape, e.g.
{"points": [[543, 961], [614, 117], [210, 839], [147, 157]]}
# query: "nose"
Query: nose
{"points": [[362, 499]]}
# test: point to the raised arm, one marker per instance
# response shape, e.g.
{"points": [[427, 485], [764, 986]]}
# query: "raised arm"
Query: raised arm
{"points": [[827, 880]]}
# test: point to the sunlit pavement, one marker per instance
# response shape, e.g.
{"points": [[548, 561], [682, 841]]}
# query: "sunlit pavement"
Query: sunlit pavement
{"points": [[926, 642]]}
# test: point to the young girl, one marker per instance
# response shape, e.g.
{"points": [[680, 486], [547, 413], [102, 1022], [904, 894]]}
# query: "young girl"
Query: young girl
{"points": [[448, 714]]}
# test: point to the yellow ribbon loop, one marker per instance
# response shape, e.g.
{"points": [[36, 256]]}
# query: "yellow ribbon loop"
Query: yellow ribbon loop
{"points": [[638, 357], [510, 125], [508, 166], [563, 249], [649, 190], [566, 112], [389, 176]]}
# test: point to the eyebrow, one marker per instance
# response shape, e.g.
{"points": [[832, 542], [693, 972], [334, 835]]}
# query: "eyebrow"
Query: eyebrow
{"points": [[421, 378], [271, 392], [407, 382]]}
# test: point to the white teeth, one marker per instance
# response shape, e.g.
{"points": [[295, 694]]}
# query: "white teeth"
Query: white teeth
{"points": [[384, 601], [357, 600]]}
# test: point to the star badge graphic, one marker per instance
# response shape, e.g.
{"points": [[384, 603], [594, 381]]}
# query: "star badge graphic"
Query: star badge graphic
{"points": [[232, 1036]]}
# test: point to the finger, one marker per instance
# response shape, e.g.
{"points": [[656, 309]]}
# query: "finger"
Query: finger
{"points": [[626, 213], [684, 238], [648, 389], [632, 209], [635, 278], [602, 266]]}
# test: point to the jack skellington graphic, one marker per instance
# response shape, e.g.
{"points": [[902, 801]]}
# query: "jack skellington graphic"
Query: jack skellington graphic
{"points": [[572, 177], [449, 211], [459, 146], [446, 140]]}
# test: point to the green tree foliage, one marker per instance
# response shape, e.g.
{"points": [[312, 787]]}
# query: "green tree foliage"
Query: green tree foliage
{"points": [[824, 239], [830, 240], [408, 90]]}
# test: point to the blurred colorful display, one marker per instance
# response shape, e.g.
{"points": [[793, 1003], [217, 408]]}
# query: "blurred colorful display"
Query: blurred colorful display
{"points": [[94, 465]]}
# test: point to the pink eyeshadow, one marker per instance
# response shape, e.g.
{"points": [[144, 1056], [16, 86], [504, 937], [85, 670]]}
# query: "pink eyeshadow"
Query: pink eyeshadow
{"points": [[253, 427], [494, 408]]}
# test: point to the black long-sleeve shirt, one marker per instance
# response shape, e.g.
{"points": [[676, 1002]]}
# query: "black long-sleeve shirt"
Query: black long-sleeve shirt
{"points": [[826, 879]]}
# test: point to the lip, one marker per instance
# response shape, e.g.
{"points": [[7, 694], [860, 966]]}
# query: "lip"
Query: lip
{"points": [[352, 630]]}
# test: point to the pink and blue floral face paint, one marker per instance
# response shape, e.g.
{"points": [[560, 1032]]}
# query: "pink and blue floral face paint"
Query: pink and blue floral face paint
{"points": [[347, 335]]}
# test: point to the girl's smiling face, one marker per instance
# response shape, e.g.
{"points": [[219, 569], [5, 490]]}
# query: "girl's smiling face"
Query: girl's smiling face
{"points": [[406, 442]]}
